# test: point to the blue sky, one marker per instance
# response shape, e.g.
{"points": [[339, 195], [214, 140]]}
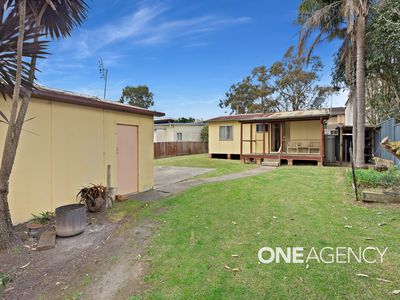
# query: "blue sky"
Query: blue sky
{"points": [[188, 52]]}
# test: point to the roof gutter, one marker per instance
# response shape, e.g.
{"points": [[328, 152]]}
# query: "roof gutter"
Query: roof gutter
{"points": [[284, 119], [90, 102]]}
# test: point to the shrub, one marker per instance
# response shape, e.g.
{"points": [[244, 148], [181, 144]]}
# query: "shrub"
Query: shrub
{"points": [[370, 178], [43, 217]]}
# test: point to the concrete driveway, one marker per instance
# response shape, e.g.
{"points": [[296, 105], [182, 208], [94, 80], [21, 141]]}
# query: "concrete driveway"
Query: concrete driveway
{"points": [[168, 175]]}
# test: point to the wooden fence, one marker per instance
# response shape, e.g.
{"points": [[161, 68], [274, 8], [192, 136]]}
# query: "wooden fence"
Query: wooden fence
{"points": [[167, 149]]}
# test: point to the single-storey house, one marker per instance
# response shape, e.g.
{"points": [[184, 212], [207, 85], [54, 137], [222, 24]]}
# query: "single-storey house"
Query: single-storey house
{"points": [[279, 136], [69, 142], [167, 130]]}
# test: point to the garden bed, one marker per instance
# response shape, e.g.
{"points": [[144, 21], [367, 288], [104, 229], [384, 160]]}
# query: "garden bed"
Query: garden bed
{"points": [[378, 186]]}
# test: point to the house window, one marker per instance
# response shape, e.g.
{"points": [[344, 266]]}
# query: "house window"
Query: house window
{"points": [[260, 128], [225, 133], [179, 136]]}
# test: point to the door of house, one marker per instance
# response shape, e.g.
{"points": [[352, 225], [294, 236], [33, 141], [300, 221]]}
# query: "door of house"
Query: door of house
{"points": [[276, 136], [127, 159]]}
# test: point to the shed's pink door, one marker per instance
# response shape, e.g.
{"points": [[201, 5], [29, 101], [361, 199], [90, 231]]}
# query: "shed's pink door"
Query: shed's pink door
{"points": [[127, 159]]}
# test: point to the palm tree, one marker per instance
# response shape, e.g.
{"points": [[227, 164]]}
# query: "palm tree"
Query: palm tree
{"points": [[36, 18], [343, 19], [362, 9]]}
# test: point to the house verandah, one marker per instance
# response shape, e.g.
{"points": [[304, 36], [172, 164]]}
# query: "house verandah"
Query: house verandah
{"points": [[283, 139]]}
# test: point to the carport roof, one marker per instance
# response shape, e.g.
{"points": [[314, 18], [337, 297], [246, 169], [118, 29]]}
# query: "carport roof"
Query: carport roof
{"points": [[90, 101]]}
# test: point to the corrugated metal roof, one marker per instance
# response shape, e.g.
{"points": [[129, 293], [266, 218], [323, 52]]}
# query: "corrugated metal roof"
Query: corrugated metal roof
{"points": [[239, 117], [181, 124], [90, 101], [298, 114]]}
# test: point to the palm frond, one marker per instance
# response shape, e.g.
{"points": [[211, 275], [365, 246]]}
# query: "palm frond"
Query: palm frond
{"points": [[58, 18], [322, 16], [8, 49]]}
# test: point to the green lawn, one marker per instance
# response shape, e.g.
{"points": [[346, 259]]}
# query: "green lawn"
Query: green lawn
{"points": [[221, 166], [291, 206]]}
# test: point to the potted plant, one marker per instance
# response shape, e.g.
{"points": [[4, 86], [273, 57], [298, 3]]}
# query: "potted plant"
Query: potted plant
{"points": [[93, 196]]}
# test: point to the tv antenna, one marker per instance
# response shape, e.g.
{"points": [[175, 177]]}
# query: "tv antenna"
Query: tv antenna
{"points": [[318, 102], [103, 75]]}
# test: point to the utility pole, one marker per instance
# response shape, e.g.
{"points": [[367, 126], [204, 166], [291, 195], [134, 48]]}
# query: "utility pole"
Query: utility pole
{"points": [[103, 75]]}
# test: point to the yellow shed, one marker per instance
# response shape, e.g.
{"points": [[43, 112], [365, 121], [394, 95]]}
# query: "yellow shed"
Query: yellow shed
{"points": [[69, 142]]}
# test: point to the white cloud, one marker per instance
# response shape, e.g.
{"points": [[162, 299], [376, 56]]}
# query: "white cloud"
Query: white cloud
{"points": [[148, 25]]}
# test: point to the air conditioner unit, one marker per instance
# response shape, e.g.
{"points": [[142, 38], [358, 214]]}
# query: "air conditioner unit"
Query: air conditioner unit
{"points": [[331, 132]]}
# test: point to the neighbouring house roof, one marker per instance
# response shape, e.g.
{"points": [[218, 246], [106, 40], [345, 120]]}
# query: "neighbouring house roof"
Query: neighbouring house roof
{"points": [[285, 115], [337, 111], [164, 121], [181, 124], [90, 101]]}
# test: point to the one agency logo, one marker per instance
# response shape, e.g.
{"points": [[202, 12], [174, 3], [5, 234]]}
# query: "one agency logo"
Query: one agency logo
{"points": [[326, 255]]}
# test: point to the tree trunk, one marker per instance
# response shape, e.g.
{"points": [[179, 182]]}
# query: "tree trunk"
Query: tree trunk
{"points": [[360, 80], [7, 235], [353, 99]]}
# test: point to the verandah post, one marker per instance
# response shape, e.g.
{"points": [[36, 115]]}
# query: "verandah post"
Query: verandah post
{"points": [[251, 138], [264, 138], [321, 147]]}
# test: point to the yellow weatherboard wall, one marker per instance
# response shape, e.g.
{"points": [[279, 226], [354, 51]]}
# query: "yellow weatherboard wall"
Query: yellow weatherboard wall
{"points": [[304, 130], [225, 147], [65, 147], [293, 130]]}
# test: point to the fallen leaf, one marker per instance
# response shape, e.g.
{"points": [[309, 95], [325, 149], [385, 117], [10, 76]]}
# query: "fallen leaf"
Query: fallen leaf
{"points": [[369, 239], [227, 267], [362, 275], [381, 224], [396, 292], [234, 223], [192, 239], [348, 226], [235, 255], [384, 280], [24, 266], [235, 270], [274, 217]]}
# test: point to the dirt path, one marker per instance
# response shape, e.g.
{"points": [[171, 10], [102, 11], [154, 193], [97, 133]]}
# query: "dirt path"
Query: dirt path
{"points": [[125, 277]]}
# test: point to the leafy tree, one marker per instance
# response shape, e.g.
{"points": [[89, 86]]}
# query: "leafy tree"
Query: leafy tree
{"points": [[204, 134], [241, 97], [22, 25], [289, 84], [137, 96], [185, 120], [383, 63], [295, 80]]}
